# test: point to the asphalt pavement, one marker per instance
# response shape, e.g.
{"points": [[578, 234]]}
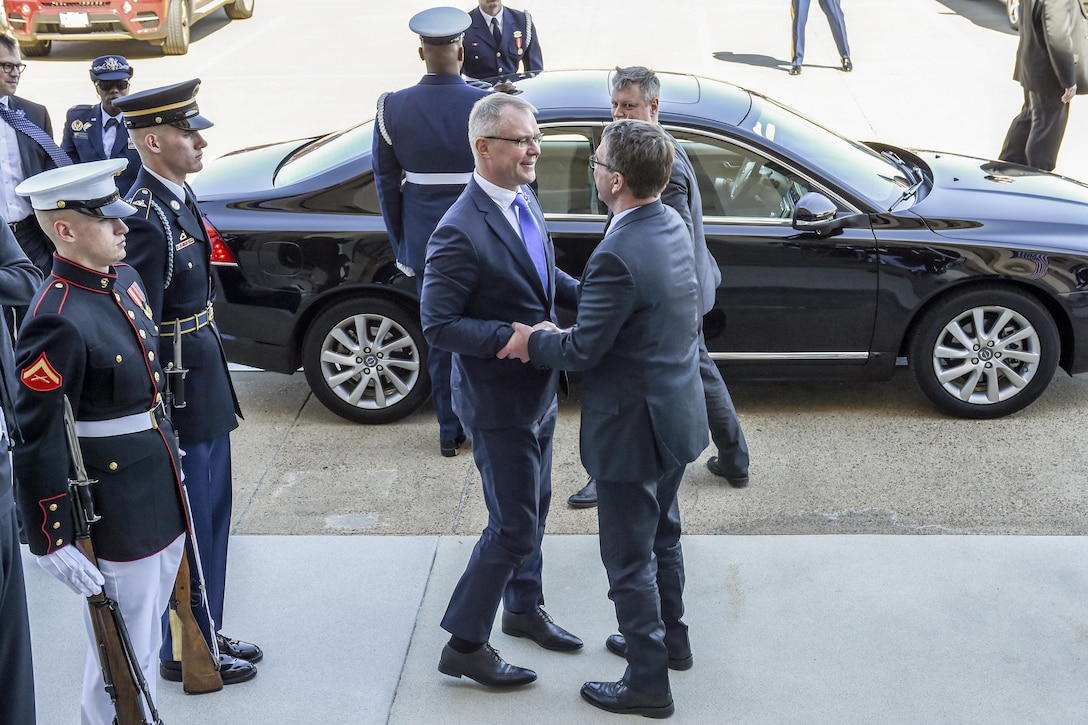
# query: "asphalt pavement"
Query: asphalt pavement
{"points": [[814, 596]]}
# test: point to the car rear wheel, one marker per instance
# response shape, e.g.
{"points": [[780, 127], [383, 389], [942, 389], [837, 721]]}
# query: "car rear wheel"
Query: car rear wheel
{"points": [[365, 360], [36, 48], [985, 352], [177, 28], [239, 9]]}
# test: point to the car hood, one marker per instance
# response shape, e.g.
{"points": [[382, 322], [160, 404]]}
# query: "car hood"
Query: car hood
{"points": [[993, 201], [244, 171]]}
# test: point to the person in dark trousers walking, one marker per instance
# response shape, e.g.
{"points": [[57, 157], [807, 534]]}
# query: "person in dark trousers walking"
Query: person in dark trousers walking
{"points": [[799, 14]]}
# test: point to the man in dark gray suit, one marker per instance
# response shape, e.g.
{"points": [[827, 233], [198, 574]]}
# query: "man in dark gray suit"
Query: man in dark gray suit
{"points": [[1046, 66], [490, 262], [643, 417], [636, 92]]}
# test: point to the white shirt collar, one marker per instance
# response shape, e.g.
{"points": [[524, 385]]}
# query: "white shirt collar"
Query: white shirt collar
{"points": [[502, 197], [489, 18], [176, 190]]}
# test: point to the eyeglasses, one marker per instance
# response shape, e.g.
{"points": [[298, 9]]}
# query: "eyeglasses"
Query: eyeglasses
{"points": [[121, 85], [594, 163], [523, 143], [10, 68]]}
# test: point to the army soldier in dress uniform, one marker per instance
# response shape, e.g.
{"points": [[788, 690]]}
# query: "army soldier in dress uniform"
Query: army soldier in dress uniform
{"points": [[423, 161], [500, 42], [89, 335], [92, 133], [170, 248]]}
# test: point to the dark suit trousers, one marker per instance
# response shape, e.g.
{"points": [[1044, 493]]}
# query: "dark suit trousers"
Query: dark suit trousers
{"points": [[724, 427], [440, 367], [516, 471], [39, 250], [640, 546], [1037, 131], [17, 682]]}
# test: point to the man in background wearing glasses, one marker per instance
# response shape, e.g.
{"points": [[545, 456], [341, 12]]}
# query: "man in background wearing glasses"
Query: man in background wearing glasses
{"points": [[94, 133], [26, 148]]}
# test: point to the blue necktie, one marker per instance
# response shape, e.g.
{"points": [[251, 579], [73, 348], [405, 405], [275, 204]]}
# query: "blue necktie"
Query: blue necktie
{"points": [[495, 32], [38, 136], [534, 240]]}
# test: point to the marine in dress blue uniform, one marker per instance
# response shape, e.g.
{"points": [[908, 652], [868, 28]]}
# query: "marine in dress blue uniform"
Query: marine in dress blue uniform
{"points": [[423, 161], [89, 335], [96, 132], [169, 246], [516, 49]]}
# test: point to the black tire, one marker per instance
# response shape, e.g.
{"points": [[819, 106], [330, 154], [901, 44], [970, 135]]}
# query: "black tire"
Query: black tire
{"points": [[366, 360], [986, 352], [240, 9], [36, 49], [177, 28]]}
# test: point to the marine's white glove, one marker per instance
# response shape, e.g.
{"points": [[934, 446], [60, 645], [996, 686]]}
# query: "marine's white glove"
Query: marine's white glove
{"points": [[70, 566]]}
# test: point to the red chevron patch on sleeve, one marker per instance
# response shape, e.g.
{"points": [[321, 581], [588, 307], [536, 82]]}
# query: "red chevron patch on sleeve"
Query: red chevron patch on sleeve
{"points": [[41, 375]]}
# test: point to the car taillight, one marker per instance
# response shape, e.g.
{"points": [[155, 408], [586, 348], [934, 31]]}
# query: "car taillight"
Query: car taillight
{"points": [[221, 254]]}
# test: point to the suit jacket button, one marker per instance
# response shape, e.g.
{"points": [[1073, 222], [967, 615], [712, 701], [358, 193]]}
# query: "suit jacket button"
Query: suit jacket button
{"points": [[52, 507], [118, 358]]}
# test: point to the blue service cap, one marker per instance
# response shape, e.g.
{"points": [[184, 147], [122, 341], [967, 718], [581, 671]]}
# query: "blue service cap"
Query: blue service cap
{"points": [[88, 188], [440, 26], [110, 68], [167, 106]]}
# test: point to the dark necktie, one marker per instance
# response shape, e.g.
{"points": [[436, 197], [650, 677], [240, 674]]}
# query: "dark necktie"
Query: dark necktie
{"points": [[112, 123], [495, 32], [530, 234], [38, 136]]}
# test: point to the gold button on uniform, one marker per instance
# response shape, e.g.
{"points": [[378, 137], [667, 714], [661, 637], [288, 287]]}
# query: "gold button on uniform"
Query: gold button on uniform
{"points": [[52, 507], [151, 356], [113, 465], [118, 358], [56, 524], [131, 315], [143, 335], [60, 542], [156, 377]]}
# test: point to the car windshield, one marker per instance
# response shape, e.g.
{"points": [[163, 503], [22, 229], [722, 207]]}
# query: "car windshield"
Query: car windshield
{"points": [[853, 165], [325, 153]]}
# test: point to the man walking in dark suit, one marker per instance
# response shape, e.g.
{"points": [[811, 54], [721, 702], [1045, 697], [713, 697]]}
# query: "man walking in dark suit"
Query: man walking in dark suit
{"points": [[636, 93], [1046, 66], [93, 133], [636, 339], [26, 141], [501, 42], [422, 161], [490, 262]]}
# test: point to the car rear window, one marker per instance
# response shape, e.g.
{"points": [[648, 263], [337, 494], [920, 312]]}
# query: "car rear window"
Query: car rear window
{"points": [[324, 154]]}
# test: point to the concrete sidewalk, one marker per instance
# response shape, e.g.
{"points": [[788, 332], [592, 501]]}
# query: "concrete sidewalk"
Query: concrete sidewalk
{"points": [[802, 630]]}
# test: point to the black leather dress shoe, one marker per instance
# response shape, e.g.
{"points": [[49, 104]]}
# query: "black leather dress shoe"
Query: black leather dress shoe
{"points": [[485, 666], [238, 649], [586, 498], [847, 66], [795, 70], [715, 466], [538, 626], [449, 448], [617, 645], [618, 698], [231, 669]]}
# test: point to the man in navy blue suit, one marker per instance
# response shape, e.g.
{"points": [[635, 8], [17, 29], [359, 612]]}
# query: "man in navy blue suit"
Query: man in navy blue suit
{"points": [[490, 262], [636, 339], [97, 132], [501, 42], [422, 161]]}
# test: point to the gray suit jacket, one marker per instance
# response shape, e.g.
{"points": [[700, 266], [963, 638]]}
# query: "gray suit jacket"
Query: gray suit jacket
{"points": [[682, 194], [637, 339]]}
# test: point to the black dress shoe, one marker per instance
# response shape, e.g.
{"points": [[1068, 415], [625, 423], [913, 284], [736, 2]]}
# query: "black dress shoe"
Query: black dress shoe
{"points": [[618, 698], [586, 498], [538, 626], [231, 669], [795, 70], [617, 645], [715, 466], [449, 448], [485, 666], [238, 649], [847, 66]]}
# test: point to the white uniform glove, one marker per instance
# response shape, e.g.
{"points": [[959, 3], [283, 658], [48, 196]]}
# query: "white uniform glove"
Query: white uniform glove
{"points": [[69, 565]]}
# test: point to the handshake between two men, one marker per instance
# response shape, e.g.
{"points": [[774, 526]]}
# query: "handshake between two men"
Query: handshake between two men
{"points": [[518, 345]]}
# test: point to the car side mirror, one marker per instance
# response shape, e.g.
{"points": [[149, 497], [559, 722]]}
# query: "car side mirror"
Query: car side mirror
{"points": [[814, 213]]}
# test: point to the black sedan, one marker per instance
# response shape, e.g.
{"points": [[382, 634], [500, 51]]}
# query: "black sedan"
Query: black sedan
{"points": [[838, 258]]}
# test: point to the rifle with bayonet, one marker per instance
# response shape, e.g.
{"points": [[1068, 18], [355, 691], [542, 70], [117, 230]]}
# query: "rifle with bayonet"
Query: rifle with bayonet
{"points": [[121, 673], [199, 656]]}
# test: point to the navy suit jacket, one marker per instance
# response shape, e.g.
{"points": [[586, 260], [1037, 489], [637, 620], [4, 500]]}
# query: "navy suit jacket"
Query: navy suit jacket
{"points": [[479, 278], [637, 340], [520, 47], [682, 194], [35, 159], [82, 140]]}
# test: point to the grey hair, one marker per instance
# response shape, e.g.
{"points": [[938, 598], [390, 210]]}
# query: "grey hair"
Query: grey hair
{"points": [[642, 77], [486, 117]]}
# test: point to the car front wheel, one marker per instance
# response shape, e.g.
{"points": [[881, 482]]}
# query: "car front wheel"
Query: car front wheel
{"points": [[985, 352], [365, 360]]}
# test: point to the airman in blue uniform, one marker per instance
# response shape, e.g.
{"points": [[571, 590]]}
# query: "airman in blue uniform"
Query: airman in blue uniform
{"points": [[169, 246], [97, 132], [422, 161], [500, 42]]}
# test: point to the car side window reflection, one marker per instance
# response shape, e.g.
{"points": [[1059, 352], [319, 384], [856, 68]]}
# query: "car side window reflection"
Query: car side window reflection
{"points": [[736, 182], [564, 182]]}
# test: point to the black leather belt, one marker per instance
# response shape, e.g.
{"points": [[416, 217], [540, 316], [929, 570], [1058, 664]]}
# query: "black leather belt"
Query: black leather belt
{"points": [[14, 226]]}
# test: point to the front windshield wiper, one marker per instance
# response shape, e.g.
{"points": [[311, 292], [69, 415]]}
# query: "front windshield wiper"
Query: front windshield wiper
{"points": [[910, 190]]}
